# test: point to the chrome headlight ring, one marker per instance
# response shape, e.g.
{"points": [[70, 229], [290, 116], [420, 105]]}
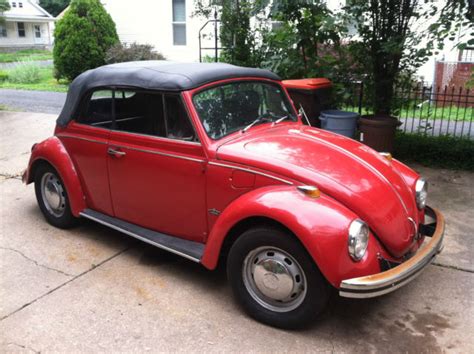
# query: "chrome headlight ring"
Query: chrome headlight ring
{"points": [[358, 239], [421, 192]]}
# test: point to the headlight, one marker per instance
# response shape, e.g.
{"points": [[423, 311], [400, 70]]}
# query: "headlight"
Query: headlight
{"points": [[421, 189], [358, 239]]}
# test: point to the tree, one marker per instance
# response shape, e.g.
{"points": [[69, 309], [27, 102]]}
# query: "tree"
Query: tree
{"points": [[393, 43], [54, 7], [306, 41], [82, 38], [4, 6]]}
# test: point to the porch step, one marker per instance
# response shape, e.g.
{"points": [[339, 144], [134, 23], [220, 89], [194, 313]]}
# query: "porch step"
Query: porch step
{"points": [[185, 248]]}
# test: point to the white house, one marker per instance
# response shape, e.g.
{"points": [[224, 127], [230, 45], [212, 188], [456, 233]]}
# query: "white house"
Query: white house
{"points": [[168, 25], [27, 25]]}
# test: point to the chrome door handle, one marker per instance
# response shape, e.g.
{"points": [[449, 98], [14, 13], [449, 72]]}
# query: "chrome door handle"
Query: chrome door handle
{"points": [[115, 153]]}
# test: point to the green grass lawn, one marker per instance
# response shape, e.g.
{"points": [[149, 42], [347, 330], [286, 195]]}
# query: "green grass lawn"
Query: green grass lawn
{"points": [[25, 54], [429, 112], [46, 83]]}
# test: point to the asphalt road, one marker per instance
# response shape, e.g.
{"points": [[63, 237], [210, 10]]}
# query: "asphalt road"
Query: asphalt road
{"points": [[91, 289], [32, 101]]}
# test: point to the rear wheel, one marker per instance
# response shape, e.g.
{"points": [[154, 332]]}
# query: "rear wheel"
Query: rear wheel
{"points": [[274, 278], [52, 197]]}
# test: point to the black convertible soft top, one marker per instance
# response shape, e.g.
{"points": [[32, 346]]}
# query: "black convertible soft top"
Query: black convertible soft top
{"points": [[153, 75]]}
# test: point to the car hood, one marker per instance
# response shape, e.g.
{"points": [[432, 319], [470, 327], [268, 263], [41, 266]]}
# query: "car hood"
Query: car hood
{"points": [[350, 172]]}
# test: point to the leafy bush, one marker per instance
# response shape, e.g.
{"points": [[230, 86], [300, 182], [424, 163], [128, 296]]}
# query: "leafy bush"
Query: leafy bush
{"points": [[3, 76], [25, 73], [435, 151], [119, 53], [82, 38]]}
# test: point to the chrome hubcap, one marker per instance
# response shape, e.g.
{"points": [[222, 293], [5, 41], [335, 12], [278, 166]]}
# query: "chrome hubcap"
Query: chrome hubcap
{"points": [[274, 279], [53, 194]]}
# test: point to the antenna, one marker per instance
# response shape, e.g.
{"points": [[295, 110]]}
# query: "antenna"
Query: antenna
{"points": [[303, 113]]}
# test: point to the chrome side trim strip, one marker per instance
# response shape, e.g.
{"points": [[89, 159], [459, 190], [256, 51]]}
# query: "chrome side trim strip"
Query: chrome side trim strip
{"points": [[365, 163], [158, 153], [250, 171], [81, 138], [138, 237], [159, 138], [132, 148]]}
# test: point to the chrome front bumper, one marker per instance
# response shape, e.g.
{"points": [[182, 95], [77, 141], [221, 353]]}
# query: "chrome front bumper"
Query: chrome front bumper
{"points": [[392, 279]]}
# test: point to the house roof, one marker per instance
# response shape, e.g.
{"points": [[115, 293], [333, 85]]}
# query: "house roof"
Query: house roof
{"points": [[29, 11], [153, 75]]}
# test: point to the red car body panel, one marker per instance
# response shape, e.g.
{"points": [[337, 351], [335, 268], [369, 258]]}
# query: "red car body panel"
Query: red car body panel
{"points": [[324, 236], [200, 191], [53, 152], [348, 171]]}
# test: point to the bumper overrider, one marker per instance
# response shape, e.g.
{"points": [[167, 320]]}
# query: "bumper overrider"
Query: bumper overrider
{"points": [[392, 279]]}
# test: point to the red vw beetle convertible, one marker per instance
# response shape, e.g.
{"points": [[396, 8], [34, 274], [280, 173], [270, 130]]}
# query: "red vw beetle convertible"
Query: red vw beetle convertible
{"points": [[212, 162]]}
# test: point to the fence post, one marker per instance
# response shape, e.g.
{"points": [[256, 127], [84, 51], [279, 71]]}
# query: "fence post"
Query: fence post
{"points": [[361, 93]]}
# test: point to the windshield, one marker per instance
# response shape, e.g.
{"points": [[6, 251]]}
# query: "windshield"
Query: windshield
{"points": [[230, 107]]}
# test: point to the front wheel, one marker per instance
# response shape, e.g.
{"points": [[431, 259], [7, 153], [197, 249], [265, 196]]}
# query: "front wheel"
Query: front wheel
{"points": [[52, 198], [274, 278]]}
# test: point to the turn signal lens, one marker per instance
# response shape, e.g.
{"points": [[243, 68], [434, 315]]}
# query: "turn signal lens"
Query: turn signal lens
{"points": [[387, 155], [310, 191]]}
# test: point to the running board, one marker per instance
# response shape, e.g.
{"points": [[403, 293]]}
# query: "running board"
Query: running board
{"points": [[185, 248]]}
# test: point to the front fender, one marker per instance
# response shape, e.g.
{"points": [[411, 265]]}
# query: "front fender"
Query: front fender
{"points": [[53, 152], [321, 225]]}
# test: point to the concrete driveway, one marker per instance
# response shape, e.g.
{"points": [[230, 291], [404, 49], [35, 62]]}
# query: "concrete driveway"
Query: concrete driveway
{"points": [[92, 289]]}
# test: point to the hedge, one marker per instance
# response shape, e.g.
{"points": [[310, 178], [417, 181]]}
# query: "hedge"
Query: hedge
{"points": [[435, 151]]}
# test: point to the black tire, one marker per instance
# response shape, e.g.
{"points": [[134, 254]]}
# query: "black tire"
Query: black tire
{"points": [[309, 304], [63, 218]]}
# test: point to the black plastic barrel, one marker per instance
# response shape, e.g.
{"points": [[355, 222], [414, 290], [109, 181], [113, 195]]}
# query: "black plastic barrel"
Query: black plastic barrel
{"points": [[340, 122]]}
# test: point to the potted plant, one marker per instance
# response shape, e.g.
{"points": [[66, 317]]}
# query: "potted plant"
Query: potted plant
{"points": [[394, 37]]}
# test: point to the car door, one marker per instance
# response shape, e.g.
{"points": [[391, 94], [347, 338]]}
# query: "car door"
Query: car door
{"points": [[86, 139], [156, 165]]}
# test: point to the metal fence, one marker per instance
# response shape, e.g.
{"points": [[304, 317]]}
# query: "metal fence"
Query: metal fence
{"points": [[424, 109]]}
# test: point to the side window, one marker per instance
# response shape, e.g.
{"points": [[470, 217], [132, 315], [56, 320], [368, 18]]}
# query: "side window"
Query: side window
{"points": [[177, 120], [139, 112], [98, 110]]}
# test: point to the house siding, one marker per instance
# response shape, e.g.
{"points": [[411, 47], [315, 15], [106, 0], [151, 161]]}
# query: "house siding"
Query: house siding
{"points": [[151, 22]]}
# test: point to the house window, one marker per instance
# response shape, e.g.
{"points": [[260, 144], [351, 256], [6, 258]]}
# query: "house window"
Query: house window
{"points": [[179, 22], [3, 31], [13, 4], [37, 31], [21, 29], [20, 4]]}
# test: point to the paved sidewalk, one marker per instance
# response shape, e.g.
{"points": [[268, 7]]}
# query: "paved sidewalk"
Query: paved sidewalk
{"points": [[91, 289]]}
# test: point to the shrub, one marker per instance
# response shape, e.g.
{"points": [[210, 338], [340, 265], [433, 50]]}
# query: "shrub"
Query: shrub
{"points": [[119, 53], [3, 76], [435, 151], [82, 38], [25, 73]]}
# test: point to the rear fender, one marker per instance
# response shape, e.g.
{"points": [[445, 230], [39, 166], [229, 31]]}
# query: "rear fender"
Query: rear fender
{"points": [[53, 152], [321, 225]]}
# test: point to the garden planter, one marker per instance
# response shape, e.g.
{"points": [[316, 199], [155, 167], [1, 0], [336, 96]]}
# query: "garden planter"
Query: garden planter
{"points": [[378, 132]]}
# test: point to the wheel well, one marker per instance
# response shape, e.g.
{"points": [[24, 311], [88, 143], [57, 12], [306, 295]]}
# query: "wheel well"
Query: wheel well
{"points": [[244, 225], [34, 168]]}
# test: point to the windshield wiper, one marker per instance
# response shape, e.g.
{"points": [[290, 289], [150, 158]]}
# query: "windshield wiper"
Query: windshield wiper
{"points": [[281, 119], [258, 120]]}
